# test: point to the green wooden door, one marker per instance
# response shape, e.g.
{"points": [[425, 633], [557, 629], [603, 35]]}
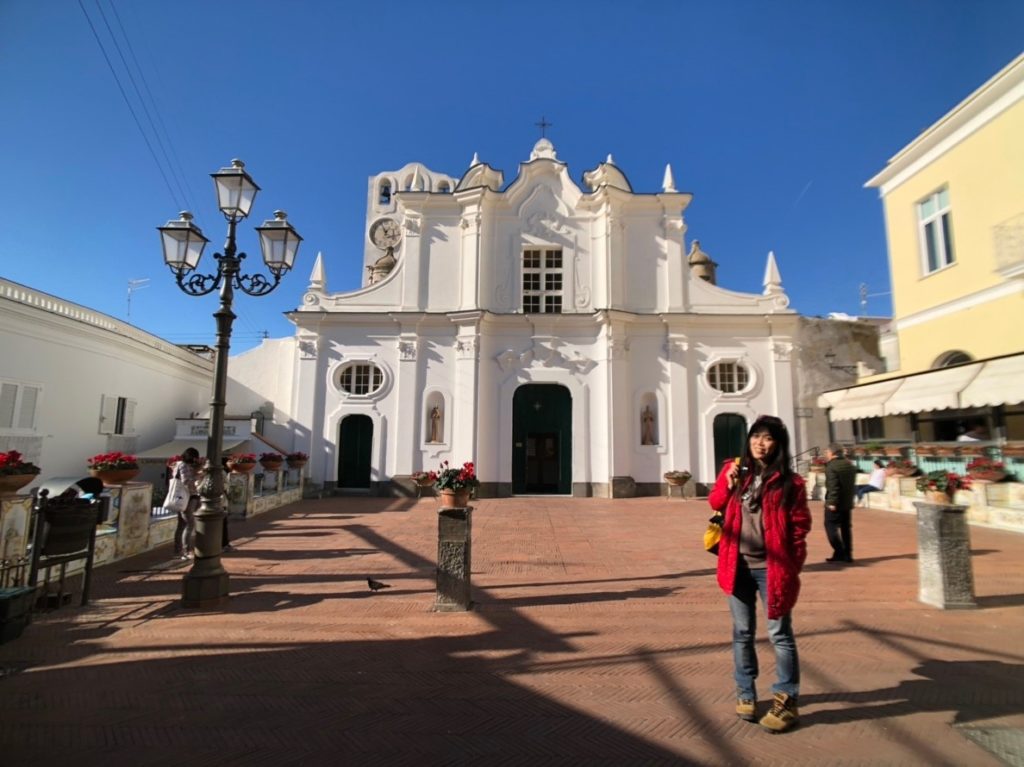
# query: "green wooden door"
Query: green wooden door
{"points": [[355, 443], [542, 439], [730, 431]]}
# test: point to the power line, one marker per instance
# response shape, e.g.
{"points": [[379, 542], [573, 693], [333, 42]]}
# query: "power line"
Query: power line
{"points": [[179, 172], [127, 102]]}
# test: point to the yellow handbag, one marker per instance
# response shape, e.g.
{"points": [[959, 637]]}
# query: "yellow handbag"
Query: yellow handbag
{"points": [[713, 534]]}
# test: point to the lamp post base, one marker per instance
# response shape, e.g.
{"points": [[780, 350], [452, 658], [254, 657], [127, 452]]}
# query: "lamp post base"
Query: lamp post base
{"points": [[204, 589]]}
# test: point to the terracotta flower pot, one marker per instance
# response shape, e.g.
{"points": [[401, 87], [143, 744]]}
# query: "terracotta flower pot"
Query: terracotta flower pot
{"points": [[296, 463], [114, 476], [457, 499], [676, 481], [12, 483], [242, 468], [988, 475], [271, 465], [937, 496]]}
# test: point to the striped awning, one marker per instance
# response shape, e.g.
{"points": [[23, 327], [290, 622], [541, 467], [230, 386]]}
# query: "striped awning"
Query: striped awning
{"points": [[1000, 382], [866, 401], [935, 390], [986, 383]]}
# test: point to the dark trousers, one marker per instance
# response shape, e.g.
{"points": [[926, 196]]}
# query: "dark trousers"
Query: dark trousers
{"points": [[839, 530]]}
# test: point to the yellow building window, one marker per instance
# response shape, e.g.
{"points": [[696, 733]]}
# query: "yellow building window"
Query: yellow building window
{"points": [[936, 230]]}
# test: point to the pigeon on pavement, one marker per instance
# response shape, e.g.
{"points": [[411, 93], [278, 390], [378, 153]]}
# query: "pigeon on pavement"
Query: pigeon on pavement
{"points": [[377, 585]]}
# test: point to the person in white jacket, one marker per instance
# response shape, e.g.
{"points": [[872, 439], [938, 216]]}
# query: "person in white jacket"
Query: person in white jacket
{"points": [[875, 482]]}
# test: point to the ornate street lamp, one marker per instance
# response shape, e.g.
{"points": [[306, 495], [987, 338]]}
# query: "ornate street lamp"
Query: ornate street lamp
{"points": [[206, 583]]}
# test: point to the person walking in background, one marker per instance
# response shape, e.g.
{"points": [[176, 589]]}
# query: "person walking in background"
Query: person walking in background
{"points": [[875, 482], [762, 551], [187, 471], [840, 479]]}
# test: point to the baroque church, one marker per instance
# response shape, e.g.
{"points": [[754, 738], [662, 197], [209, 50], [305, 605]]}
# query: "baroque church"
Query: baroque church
{"points": [[560, 335]]}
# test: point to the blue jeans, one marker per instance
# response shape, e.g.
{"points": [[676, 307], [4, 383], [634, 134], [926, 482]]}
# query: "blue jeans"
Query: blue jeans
{"points": [[743, 606]]}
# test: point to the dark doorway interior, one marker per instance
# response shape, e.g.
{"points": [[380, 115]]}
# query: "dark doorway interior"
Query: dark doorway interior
{"points": [[542, 439], [730, 432], [355, 443]]}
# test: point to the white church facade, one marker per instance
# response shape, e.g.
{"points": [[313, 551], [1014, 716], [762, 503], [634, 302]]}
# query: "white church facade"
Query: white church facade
{"points": [[560, 336]]}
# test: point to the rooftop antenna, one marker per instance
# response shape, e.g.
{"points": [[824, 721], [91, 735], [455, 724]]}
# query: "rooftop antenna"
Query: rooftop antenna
{"points": [[864, 296], [134, 285]]}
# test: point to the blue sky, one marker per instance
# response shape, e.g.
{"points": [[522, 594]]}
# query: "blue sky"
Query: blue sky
{"points": [[772, 114]]}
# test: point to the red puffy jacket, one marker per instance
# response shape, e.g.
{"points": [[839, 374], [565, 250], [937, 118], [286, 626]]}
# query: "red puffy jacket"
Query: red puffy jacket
{"points": [[785, 533]]}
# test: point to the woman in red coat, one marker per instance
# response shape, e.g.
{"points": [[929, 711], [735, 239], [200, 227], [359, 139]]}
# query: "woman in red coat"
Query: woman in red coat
{"points": [[762, 551]]}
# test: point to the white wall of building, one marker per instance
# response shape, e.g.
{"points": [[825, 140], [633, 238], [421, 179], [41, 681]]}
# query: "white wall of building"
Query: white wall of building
{"points": [[446, 327], [77, 357]]}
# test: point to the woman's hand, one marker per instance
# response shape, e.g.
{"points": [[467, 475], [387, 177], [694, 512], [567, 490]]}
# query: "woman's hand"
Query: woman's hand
{"points": [[731, 473]]}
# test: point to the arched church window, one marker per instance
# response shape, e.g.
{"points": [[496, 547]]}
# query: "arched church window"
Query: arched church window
{"points": [[728, 377], [384, 196], [444, 187]]}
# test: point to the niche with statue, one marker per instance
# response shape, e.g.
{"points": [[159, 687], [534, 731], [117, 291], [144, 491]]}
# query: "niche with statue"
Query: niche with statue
{"points": [[434, 419], [649, 420]]}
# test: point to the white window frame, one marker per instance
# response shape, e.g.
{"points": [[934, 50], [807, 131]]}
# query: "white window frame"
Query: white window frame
{"points": [[341, 370], [117, 415], [24, 417], [940, 223], [546, 297], [714, 373]]}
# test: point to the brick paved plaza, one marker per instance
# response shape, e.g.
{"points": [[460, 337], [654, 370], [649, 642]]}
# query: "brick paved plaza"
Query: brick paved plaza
{"points": [[599, 636]]}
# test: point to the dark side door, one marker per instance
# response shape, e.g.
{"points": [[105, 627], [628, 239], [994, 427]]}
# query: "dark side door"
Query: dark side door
{"points": [[355, 443]]}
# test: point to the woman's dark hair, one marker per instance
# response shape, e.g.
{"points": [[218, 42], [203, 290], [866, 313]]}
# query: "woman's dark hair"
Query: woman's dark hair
{"points": [[191, 455], [779, 461], [879, 464]]}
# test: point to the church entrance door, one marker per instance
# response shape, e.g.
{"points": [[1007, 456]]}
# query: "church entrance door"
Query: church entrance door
{"points": [[542, 439], [730, 431], [355, 443]]}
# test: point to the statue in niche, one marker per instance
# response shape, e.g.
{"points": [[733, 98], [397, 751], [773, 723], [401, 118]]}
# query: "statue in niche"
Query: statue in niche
{"points": [[435, 424], [647, 427]]}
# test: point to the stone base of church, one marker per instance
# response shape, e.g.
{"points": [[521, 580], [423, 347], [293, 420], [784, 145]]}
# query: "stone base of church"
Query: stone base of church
{"points": [[405, 487]]}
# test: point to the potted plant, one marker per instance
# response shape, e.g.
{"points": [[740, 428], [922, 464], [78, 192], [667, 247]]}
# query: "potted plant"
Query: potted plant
{"points": [[940, 485], [296, 459], [114, 468], [1014, 450], [271, 461], [241, 463], [874, 448], [14, 472], [986, 469], [902, 467], [424, 478], [677, 478], [455, 485]]}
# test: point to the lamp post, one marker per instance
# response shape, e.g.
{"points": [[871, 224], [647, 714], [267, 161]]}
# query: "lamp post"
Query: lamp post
{"points": [[206, 583]]}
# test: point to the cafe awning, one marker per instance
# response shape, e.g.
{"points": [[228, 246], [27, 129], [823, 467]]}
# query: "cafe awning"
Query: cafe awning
{"points": [[934, 390], [1000, 382], [867, 401], [987, 383]]}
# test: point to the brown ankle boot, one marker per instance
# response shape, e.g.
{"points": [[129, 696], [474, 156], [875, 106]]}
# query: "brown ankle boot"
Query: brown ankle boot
{"points": [[783, 716]]}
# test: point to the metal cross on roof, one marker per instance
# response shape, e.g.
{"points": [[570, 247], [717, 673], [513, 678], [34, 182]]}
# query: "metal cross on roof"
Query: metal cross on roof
{"points": [[543, 125]]}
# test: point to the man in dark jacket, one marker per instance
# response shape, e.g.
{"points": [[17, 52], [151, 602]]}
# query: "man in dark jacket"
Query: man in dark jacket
{"points": [[840, 480]]}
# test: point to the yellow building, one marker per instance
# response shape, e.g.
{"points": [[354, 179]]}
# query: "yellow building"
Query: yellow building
{"points": [[954, 216]]}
